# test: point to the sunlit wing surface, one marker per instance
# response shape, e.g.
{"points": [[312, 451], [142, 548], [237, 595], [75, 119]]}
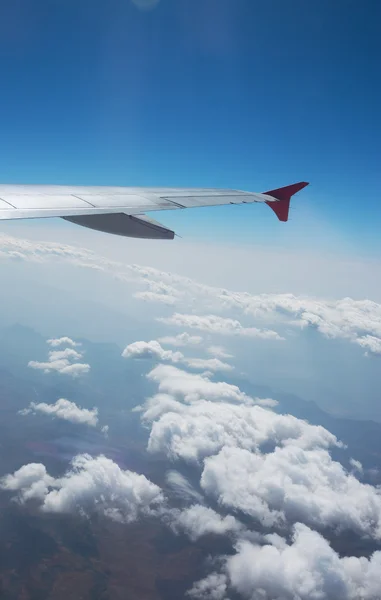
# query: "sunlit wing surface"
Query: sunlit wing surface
{"points": [[120, 210]]}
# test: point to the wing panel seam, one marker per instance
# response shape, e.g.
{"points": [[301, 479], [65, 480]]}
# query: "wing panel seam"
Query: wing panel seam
{"points": [[83, 200], [9, 204]]}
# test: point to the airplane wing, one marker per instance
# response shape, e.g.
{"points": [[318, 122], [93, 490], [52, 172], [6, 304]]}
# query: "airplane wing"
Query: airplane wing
{"points": [[120, 210]]}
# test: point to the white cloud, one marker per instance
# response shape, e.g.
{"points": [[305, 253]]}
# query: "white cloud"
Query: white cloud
{"points": [[62, 341], [293, 484], [151, 349], [154, 350], [370, 343], [105, 430], [358, 321], [212, 587], [30, 481], [275, 468], [91, 484], [61, 361], [192, 386], [182, 487], [209, 364], [68, 354], [356, 465], [66, 410], [202, 428], [153, 297], [219, 352], [61, 366], [305, 569], [219, 325], [183, 339], [199, 520]]}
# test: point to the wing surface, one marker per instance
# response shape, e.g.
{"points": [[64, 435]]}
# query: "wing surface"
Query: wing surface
{"points": [[23, 202], [73, 202]]}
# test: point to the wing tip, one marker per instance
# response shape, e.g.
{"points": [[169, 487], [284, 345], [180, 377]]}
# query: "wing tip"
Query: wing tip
{"points": [[282, 197]]}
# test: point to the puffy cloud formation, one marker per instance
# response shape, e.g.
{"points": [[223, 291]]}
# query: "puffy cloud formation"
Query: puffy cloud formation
{"points": [[371, 344], [91, 484], [203, 428], [192, 386], [30, 481], [212, 587], [151, 349], [154, 350], [66, 410], [305, 569], [183, 339], [199, 520], [220, 325], [61, 366], [293, 484], [62, 341], [274, 468], [62, 361], [67, 354]]}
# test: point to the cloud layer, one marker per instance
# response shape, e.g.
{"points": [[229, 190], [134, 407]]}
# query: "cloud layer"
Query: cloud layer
{"points": [[358, 321]]}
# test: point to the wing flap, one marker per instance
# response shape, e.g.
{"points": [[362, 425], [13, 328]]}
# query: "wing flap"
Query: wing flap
{"points": [[125, 225]]}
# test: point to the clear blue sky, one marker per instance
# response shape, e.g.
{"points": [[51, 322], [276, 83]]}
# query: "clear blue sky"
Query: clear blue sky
{"points": [[232, 93]]}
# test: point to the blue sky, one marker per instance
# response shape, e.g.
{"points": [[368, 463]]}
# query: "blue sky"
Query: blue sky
{"points": [[225, 93]]}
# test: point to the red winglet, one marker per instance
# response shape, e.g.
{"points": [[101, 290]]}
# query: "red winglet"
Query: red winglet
{"points": [[283, 195]]}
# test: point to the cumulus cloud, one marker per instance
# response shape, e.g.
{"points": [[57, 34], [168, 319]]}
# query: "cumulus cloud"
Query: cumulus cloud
{"points": [[151, 349], [371, 344], [193, 386], [307, 568], [62, 361], [202, 428], [30, 481], [154, 350], [183, 339], [212, 587], [293, 484], [61, 366], [274, 468], [66, 410], [219, 325], [62, 341], [92, 484], [199, 520], [67, 354]]}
